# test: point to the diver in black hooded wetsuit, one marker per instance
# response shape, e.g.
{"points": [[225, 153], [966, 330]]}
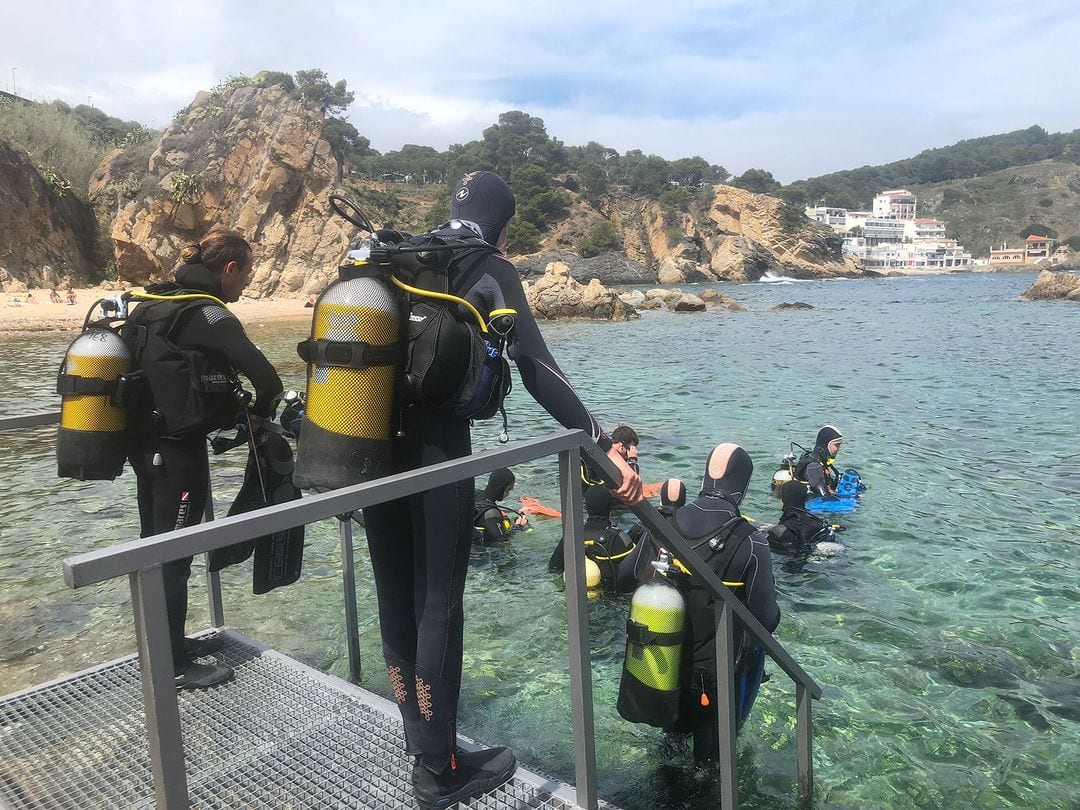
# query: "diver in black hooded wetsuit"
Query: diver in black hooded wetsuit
{"points": [[739, 554], [815, 466], [491, 523], [420, 545]]}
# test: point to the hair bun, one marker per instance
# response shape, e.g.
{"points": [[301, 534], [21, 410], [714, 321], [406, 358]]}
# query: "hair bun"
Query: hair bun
{"points": [[191, 254]]}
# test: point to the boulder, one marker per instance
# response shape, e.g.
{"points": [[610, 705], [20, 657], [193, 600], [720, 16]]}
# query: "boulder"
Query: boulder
{"points": [[556, 296], [785, 307], [685, 302], [259, 165], [634, 298], [609, 268], [1051, 285]]}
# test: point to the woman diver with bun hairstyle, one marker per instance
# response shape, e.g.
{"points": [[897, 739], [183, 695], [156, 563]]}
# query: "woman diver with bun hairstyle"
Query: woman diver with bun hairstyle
{"points": [[420, 545], [190, 348]]}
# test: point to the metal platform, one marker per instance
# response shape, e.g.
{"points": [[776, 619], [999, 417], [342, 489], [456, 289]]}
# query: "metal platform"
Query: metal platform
{"points": [[280, 735]]}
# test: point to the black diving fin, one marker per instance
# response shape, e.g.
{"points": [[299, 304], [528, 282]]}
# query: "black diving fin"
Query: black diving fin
{"points": [[267, 480]]}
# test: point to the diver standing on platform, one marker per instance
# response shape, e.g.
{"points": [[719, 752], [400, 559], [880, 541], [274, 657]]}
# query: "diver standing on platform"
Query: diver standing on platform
{"points": [[420, 544], [190, 350]]}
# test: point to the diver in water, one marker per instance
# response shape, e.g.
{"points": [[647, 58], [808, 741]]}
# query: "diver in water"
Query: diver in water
{"points": [[174, 343], [609, 547], [491, 523], [815, 467], [739, 554], [420, 544], [798, 530]]}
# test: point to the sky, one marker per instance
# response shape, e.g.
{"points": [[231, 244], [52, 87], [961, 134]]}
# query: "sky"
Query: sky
{"points": [[797, 88]]}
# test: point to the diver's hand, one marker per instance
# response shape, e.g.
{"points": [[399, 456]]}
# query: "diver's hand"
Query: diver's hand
{"points": [[630, 491]]}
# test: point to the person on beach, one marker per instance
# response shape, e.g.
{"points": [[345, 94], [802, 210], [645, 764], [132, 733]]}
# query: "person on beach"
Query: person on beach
{"points": [[174, 343], [419, 545], [54, 296]]}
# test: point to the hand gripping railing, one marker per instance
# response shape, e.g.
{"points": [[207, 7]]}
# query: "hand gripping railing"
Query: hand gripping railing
{"points": [[728, 606]]}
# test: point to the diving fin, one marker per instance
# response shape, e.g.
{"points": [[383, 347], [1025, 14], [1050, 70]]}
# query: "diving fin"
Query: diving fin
{"points": [[278, 556]]}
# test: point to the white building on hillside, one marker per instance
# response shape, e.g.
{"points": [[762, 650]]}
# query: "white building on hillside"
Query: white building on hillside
{"points": [[895, 204]]}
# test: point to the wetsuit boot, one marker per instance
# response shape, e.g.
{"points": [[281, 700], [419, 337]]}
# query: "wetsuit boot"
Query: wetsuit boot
{"points": [[468, 775]]}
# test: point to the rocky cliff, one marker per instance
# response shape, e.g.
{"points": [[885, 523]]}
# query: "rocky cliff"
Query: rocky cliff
{"points": [[734, 236], [44, 237], [252, 159]]}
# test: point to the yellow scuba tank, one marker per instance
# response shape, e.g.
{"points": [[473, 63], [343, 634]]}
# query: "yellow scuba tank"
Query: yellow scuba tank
{"points": [[90, 444], [354, 360], [650, 685]]}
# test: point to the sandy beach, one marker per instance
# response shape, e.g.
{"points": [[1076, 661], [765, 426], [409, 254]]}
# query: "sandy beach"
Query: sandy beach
{"points": [[43, 316]]}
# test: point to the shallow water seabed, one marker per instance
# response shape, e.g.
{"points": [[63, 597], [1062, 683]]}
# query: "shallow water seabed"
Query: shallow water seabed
{"points": [[946, 635]]}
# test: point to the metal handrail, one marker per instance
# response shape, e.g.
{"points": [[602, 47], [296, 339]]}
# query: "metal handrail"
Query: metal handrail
{"points": [[141, 560]]}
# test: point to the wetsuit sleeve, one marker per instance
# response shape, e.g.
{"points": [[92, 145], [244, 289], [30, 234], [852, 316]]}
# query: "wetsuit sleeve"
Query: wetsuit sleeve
{"points": [[216, 331], [541, 375], [815, 476]]}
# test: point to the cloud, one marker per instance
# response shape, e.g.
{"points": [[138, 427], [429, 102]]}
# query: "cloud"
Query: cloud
{"points": [[799, 88]]}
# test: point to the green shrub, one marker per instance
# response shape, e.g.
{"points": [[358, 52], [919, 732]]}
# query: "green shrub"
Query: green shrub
{"points": [[522, 238], [53, 139], [186, 188], [602, 237], [1045, 202], [54, 180]]}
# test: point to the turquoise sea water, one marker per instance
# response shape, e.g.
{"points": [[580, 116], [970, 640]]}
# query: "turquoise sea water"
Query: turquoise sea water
{"points": [[946, 636]]}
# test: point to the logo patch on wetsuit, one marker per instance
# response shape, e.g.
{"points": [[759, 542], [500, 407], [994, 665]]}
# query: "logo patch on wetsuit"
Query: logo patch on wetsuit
{"points": [[182, 512], [462, 194]]}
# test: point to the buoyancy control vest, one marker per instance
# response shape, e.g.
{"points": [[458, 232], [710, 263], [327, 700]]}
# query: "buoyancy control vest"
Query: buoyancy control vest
{"points": [[190, 392], [388, 336], [832, 477], [797, 529]]}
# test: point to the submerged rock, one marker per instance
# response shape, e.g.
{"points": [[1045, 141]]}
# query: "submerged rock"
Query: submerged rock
{"points": [[786, 307]]}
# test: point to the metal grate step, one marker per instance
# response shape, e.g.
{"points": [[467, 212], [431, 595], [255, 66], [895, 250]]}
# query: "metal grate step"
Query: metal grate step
{"points": [[281, 735]]}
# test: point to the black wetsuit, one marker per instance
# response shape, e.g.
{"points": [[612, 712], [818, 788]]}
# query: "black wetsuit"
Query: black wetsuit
{"points": [[172, 493], [814, 469], [420, 545], [490, 522], [704, 518], [798, 530]]}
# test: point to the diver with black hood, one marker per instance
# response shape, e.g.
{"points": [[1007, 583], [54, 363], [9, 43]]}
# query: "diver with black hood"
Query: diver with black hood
{"points": [[798, 529], [815, 467], [739, 554], [419, 545], [492, 523]]}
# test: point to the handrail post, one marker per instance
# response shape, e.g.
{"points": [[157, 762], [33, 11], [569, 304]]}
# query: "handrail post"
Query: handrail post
{"points": [[725, 706], [213, 578], [577, 617], [348, 582], [159, 688], [804, 733]]}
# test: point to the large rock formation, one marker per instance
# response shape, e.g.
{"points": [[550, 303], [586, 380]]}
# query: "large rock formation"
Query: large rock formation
{"points": [[556, 295], [252, 159], [608, 268], [1054, 285], [44, 237]]}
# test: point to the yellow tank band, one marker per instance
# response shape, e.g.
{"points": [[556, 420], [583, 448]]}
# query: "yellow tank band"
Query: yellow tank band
{"points": [[733, 584], [442, 296]]}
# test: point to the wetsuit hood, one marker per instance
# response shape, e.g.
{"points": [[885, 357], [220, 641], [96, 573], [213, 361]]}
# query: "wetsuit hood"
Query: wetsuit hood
{"points": [[727, 473], [200, 277], [598, 501], [793, 494], [486, 199], [673, 493], [498, 483], [824, 436]]}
